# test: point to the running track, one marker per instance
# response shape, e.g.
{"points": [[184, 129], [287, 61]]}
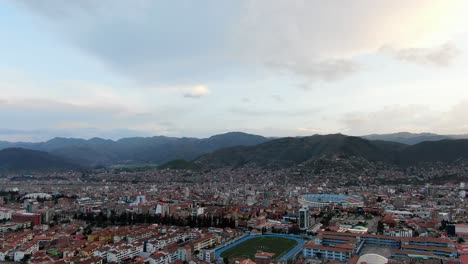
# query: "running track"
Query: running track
{"points": [[286, 256]]}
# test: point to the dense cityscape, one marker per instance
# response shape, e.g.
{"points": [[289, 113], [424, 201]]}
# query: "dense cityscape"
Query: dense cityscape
{"points": [[166, 216]]}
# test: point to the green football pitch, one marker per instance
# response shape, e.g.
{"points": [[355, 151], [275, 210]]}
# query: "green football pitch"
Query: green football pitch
{"points": [[247, 249]]}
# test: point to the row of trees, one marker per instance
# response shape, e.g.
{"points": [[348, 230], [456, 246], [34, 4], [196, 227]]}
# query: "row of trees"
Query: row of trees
{"points": [[128, 218]]}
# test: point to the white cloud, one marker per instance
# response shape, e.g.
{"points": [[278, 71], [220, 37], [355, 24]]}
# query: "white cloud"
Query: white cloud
{"points": [[410, 118], [318, 40], [312, 130], [152, 42], [72, 125], [285, 112], [440, 56], [197, 91], [321, 39]]}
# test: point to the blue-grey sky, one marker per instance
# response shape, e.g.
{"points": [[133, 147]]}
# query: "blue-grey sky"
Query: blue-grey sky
{"points": [[196, 68]]}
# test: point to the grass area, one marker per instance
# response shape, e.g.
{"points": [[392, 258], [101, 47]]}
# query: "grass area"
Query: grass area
{"points": [[277, 245], [134, 167]]}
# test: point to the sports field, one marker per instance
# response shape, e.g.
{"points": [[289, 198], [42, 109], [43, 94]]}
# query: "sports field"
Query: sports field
{"points": [[247, 249]]}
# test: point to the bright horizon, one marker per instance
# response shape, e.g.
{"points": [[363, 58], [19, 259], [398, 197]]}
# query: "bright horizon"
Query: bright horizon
{"points": [[116, 69], [455, 136]]}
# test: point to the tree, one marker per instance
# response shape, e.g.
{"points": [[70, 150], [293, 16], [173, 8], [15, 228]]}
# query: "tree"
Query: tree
{"points": [[380, 227], [55, 218], [294, 230], [443, 224], [26, 259]]}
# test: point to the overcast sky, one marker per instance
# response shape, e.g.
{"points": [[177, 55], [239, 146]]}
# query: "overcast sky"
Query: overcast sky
{"points": [[116, 69]]}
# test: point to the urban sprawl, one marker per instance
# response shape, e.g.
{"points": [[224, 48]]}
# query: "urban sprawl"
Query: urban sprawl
{"points": [[182, 216]]}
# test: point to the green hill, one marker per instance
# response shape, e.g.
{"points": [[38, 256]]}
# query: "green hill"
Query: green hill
{"points": [[21, 160], [287, 152]]}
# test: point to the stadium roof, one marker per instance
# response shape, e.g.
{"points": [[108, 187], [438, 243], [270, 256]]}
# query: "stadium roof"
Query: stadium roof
{"points": [[332, 198]]}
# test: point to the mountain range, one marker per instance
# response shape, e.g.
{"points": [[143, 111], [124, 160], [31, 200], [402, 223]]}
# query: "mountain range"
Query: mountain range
{"points": [[286, 152], [160, 149], [232, 149]]}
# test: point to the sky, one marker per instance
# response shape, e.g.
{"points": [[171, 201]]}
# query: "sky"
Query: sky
{"points": [[115, 69]]}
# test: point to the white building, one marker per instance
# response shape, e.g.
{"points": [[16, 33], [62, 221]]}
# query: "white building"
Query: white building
{"points": [[399, 232], [26, 249], [304, 218], [318, 251], [325, 200], [5, 214], [461, 230], [124, 252]]}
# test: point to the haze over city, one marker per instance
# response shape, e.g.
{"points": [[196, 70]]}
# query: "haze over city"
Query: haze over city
{"points": [[117, 69]]}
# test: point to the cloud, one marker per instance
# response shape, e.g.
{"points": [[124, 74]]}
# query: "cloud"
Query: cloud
{"points": [[16, 135], [197, 92], [323, 40], [74, 108], [277, 98], [327, 70], [312, 130], [151, 42], [26, 104], [246, 100], [272, 112], [72, 125], [51, 118], [7, 131], [192, 41], [440, 56], [391, 118], [412, 118], [19, 88]]}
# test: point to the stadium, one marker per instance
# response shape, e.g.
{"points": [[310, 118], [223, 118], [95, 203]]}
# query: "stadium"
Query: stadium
{"points": [[323, 200]]}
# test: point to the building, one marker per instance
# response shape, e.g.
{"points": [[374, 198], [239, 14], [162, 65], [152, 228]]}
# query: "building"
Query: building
{"points": [[404, 232], [340, 246], [436, 246], [5, 214], [35, 219], [161, 209], [264, 257], [208, 255], [304, 218], [123, 252], [207, 241], [325, 200], [31, 206], [140, 199], [184, 253], [461, 230], [6, 252], [311, 250], [26, 249]]}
